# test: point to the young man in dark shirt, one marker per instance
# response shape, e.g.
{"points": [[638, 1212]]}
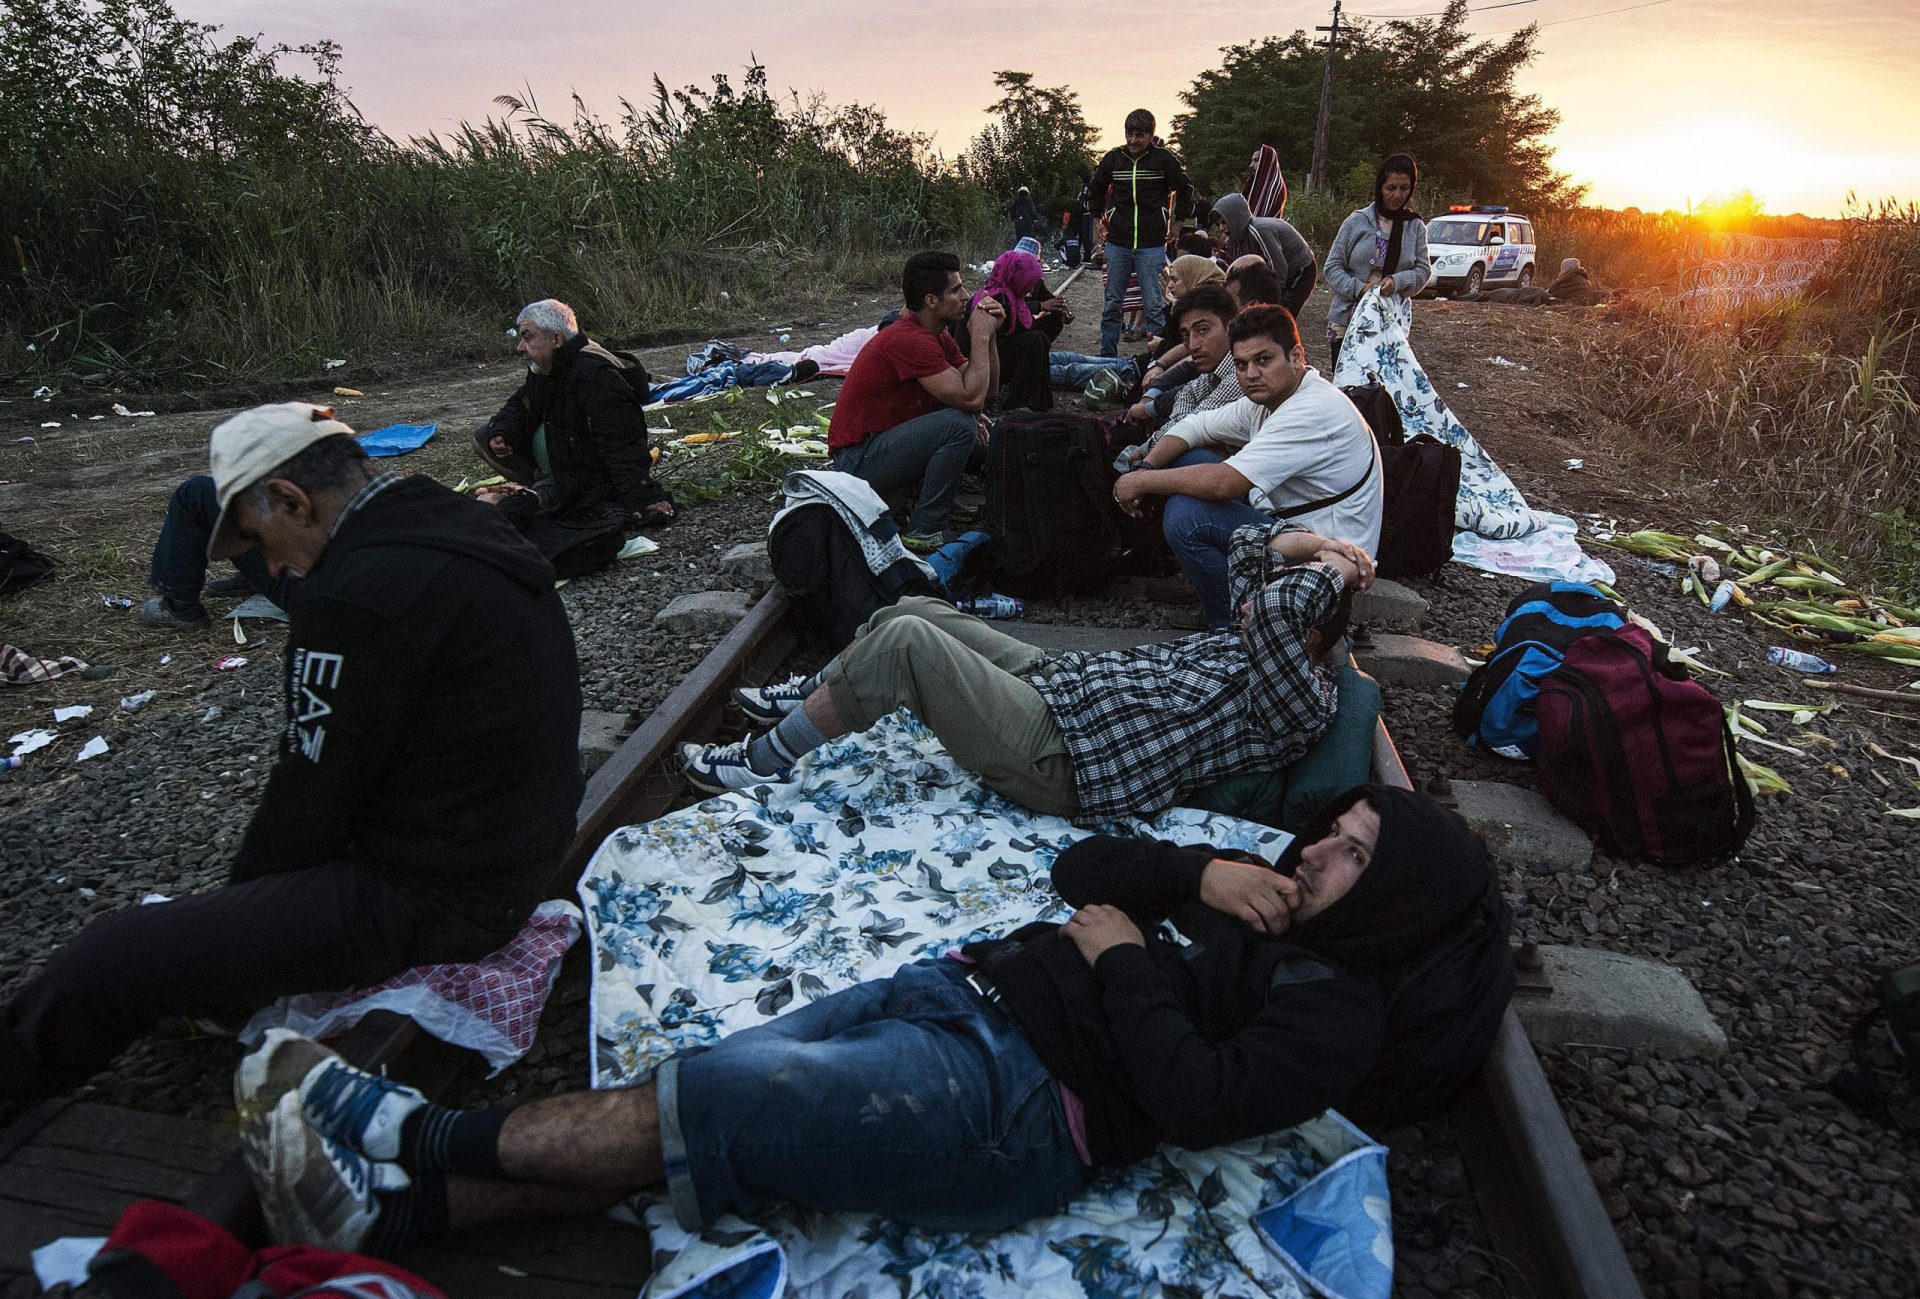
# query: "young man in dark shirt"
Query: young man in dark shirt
{"points": [[909, 410], [417, 810], [1133, 186], [971, 1094]]}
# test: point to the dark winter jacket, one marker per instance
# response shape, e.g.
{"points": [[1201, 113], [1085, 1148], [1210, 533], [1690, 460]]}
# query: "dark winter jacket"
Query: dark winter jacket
{"points": [[433, 710], [1026, 215], [596, 431], [1133, 193], [1223, 1033]]}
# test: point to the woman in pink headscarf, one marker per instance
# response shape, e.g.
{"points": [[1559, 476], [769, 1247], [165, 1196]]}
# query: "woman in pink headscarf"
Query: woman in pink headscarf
{"points": [[1017, 282]]}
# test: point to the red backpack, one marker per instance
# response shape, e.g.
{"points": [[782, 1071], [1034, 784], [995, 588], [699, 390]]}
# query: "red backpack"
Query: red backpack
{"points": [[1639, 754]]}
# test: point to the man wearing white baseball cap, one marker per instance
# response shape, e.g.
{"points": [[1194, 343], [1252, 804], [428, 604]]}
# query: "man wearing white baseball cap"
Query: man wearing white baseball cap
{"points": [[417, 810]]}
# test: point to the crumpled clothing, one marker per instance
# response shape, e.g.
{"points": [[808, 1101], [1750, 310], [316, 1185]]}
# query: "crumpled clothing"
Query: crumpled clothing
{"points": [[723, 375], [19, 668], [491, 1006], [861, 509]]}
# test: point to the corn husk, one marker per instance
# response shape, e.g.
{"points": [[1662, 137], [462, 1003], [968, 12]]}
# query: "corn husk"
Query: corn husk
{"points": [[1765, 572], [1762, 779]]}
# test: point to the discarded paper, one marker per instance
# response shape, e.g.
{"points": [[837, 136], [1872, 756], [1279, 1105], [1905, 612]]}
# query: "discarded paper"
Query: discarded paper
{"points": [[638, 546], [31, 742], [91, 749], [72, 712], [134, 703]]}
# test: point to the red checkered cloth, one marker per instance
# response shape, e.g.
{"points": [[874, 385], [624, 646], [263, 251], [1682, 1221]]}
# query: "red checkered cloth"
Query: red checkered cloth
{"points": [[491, 1006], [19, 668]]}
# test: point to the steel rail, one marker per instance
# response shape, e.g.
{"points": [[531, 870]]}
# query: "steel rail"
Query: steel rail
{"points": [[1535, 1195]]}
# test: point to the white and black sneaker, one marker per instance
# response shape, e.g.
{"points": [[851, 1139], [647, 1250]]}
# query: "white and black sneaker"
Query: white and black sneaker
{"points": [[723, 768], [769, 705]]}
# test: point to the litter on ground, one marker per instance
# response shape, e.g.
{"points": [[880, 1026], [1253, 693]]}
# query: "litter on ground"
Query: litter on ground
{"points": [[91, 749], [72, 712]]}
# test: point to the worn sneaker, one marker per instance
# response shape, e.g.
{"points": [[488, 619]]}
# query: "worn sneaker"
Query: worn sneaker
{"points": [[231, 584], [769, 705], [315, 1191], [360, 1110], [268, 1073], [722, 768], [164, 611], [923, 543]]}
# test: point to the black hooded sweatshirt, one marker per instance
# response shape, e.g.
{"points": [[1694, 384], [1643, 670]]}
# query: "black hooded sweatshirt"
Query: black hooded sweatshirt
{"points": [[433, 710], [596, 429], [1214, 1033]]}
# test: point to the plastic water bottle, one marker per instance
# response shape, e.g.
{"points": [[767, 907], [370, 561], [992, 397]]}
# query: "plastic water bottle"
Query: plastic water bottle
{"points": [[1722, 596], [11, 763], [1798, 660], [995, 606]]}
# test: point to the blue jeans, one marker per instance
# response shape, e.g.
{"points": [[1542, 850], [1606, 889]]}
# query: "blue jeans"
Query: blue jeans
{"points": [[910, 1097], [1122, 261], [1199, 533], [931, 450], [1073, 369], [180, 554]]}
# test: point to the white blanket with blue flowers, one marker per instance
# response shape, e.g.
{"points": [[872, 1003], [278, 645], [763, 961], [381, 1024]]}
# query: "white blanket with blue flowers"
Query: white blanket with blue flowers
{"points": [[1497, 530], [881, 851]]}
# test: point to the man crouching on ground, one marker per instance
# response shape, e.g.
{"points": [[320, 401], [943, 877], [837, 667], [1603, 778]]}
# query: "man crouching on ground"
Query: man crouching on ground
{"points": [[1080, 734], [428, 774], [575, 431]]}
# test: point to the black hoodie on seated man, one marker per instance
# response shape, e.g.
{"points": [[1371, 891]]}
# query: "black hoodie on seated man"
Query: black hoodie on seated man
{"points": [[428, 773]]}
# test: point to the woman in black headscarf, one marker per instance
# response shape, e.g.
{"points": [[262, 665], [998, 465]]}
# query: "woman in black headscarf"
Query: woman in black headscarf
{"points": [[1384, 244]]}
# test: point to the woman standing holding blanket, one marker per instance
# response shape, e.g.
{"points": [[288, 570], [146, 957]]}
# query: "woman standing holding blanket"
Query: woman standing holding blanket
{"points": [[1384, 244]]}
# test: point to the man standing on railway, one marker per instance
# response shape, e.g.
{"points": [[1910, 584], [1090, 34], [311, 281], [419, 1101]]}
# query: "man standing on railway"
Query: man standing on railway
{"points": [[1133, 186], [428, 774]]}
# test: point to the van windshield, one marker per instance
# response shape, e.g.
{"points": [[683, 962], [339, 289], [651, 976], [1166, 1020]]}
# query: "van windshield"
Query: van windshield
{"points": [[1458, 230]]}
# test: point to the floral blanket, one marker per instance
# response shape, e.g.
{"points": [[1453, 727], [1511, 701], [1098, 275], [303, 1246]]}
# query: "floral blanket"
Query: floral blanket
{"points": [[1498, 531], [882, 851]]}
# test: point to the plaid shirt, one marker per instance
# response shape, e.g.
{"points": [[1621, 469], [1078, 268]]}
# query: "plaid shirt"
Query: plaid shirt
{"points": [[375, 485], [1146, 726]]}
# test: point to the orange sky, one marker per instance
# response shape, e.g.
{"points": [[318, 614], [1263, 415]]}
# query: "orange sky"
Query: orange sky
{"points": [[1796, 100]]}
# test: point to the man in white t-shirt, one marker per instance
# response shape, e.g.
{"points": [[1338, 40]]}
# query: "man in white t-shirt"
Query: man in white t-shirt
{"points": [[1293, 448]]}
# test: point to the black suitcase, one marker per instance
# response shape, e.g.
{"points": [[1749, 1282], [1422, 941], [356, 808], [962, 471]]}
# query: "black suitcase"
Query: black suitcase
{"points": [[1050, 505]]}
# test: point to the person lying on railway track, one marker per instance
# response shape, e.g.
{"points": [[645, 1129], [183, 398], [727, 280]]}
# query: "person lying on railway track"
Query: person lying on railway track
{"points": [[1293, 447], [910, 408], [973, 1092], [575, 430], [1092, 735], [428, 773]]}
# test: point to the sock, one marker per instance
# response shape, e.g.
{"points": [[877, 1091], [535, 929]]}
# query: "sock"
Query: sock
{"points": [[436, 1139], [819, 678], [409, 1217], [795, 737]]}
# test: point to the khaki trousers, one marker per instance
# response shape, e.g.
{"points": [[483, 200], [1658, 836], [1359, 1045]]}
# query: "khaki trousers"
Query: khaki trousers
{"points": [[964, 680]]}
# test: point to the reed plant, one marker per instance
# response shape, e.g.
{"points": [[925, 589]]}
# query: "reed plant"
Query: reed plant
{"points": [[1805, 408], [217, 221]]}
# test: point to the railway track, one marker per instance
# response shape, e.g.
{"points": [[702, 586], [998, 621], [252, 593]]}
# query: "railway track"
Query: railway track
{"points": [[1531, 1184]]}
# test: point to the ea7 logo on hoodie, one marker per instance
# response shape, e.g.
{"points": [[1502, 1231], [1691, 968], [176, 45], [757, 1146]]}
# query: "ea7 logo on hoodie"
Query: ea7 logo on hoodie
{"points": [[314, 676]]}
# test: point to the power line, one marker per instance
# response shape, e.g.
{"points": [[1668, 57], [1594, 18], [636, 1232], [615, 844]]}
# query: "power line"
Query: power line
{"points": [[1507, 4], [1558, 22]]}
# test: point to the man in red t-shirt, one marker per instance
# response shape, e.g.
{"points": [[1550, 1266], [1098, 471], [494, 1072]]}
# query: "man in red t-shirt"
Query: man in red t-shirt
{"points": [[909, 410]]}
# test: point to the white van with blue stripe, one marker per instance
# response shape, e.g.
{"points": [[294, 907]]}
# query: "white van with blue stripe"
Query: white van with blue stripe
{"points": [[1479, 247]]}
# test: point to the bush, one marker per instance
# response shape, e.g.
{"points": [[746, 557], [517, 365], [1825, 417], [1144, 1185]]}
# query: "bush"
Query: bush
{"points": [[188, 213]]}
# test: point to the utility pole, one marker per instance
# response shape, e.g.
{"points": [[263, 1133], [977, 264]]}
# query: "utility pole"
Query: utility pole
{"points": [[1317, 176]]}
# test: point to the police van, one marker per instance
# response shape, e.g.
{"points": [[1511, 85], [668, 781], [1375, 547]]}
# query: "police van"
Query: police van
{"points": [[1480, 246]]}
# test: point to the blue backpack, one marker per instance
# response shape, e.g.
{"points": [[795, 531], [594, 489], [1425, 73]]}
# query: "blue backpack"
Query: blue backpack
{"points": [[1495, 708]]}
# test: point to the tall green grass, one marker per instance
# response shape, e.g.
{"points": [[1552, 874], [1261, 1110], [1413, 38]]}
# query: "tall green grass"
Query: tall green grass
{"points": [[167, 258], [1806, 409]]}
